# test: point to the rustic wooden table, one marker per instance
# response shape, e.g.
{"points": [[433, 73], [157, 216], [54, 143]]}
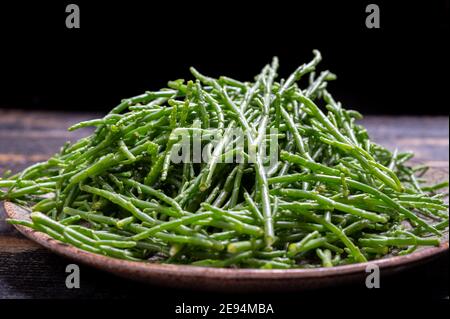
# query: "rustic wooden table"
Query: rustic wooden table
{"points": [[29, 271]]}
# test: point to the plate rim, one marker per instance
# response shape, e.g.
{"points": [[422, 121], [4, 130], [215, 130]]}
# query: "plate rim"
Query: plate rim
{"points": [[111, 264]]}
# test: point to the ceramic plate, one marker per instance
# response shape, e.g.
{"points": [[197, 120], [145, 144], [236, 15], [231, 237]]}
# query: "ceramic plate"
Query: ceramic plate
{"points": [[218, 279]]}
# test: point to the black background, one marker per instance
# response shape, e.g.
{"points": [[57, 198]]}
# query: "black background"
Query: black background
{"points": [[127, 47]]}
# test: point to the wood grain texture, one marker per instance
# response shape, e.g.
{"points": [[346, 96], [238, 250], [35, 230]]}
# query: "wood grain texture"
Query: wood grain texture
{"points": [[28, 271]]}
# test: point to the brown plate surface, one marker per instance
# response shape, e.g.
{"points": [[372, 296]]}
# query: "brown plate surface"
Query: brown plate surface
{"points": [[218, 279]]}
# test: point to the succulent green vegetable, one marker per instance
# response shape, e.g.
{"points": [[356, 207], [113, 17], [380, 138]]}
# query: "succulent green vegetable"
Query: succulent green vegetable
{"points": [[329, 197]]}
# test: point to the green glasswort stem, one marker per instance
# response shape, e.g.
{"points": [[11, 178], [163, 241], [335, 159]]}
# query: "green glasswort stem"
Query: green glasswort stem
{"points": [[239, 226], [296, 248], [90, 216], [360, 186], [398, 241], [253, 208], [116, 199], [241, 246], [333, 228], [435, 187], [335, 132], [266, 264], [105, 163], [301, 71], [143, 98], [153, 192], [295, 159], [325, 256], [233, 260], [30, 190], [172, 224], [327, 202]]}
